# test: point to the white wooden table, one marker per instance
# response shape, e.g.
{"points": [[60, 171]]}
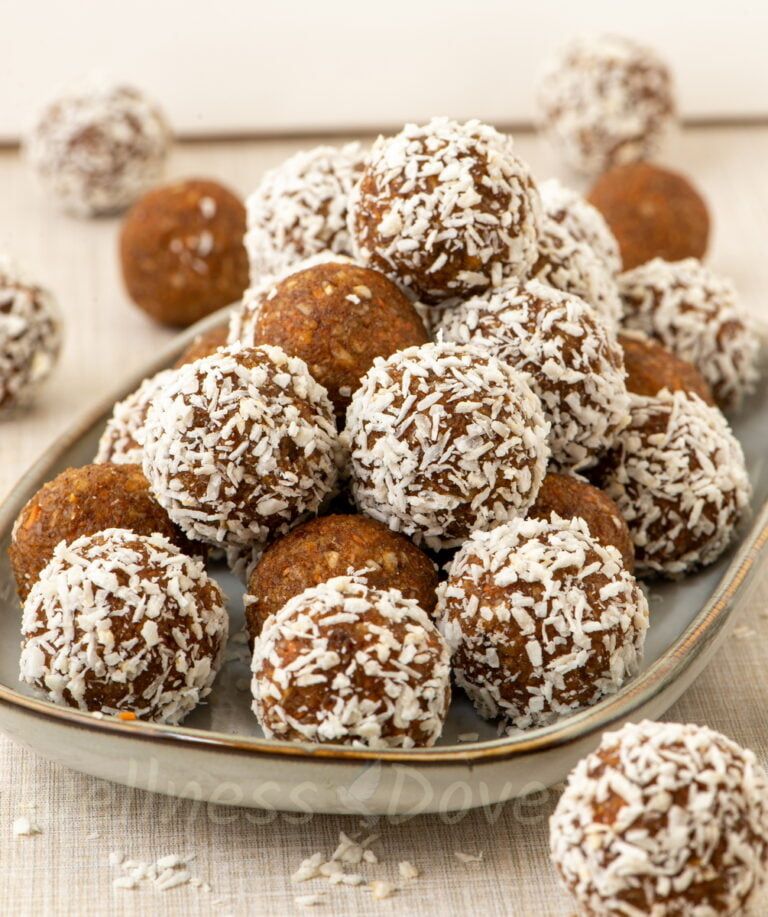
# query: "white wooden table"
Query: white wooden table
{"points": [[246, 856]]}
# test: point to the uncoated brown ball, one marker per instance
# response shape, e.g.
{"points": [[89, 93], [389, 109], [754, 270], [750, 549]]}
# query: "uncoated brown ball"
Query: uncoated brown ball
{"points": [[204, 345], [653, 212], [335, 546], [83, 501], [338, 318], [651, 367], [182, 252]]}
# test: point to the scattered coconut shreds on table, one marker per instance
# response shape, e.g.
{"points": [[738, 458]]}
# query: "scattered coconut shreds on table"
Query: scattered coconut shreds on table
{"points": [[23, 826], [381, 889], [407, 870], [742, 632], [308, 900], [468, 857], [167, 872]]}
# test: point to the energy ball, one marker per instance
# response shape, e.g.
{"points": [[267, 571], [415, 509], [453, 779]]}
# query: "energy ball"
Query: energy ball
{"points": [[653, 213], [338, 318], [698, 316], [345, 662], [96, 151], [30, 336], [573, 267], [240, 446], [120, 622], [182, 252], [445, 439], [568, 496], [582, 221], [300, 208], [605, 100], [331, 546], [664, 819], [678, 476], [446, 209], [204, 345], [651, 367], [81, 501], [570, 358], [122, 441], [542, 619]]}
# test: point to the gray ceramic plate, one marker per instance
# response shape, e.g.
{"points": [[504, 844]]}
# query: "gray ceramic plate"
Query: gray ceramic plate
{"points": [[220, 755]]}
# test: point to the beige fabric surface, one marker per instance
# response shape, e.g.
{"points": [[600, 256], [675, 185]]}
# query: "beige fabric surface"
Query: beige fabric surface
{"points": [[246, 856]]}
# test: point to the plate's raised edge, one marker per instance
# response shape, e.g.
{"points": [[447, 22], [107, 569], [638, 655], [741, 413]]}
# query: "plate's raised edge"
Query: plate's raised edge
{"points": [[692, 648]]}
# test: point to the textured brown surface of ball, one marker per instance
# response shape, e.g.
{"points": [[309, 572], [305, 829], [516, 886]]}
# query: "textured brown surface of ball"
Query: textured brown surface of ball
{"points": [[542, 619], [30, 335], [96, 150], [344, 662], [678, 476], [653, 213], [81, 501], [332, 546], [445, 439], [182, 252], [664, 819], [568, 496], [651, 367], [446, 209], [120, 622], [338, 318], [605, 100], [204, 345]]}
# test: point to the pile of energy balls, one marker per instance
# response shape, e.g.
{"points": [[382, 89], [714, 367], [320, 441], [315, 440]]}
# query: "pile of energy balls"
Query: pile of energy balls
{"points": [[455, 413]]}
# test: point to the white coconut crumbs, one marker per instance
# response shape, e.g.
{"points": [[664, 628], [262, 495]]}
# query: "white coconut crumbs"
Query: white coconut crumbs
{"points": [[444, 439], [678, 472], [445, 192], [300, 208], [23, 826], [589, 617], [582, 220], [124, 154], [571, 265], [468, 858], [85, 631], [699, 317], [396, 644], [605, 100], [165, 873], [692, 813], [30, 335], [216, 437], [570, 358]]}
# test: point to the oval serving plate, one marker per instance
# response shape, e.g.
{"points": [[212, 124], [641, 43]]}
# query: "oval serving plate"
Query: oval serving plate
{"points": [[219, 754]]}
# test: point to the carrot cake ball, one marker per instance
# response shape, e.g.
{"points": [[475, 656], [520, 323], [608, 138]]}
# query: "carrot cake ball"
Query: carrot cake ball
{"points": [[241, 445], [30, 335], [204, 345], [542, 619], [653, 213], [651, 367], [605, 100], [664, 819], [122, 441], [678, 476], [573, 267], [95, 151], [120, 622], [570, 357], [345, 662], [568, 495], [445, 439], [338, 318], [331, 546], [446, 209], [699, 317], [582, 220], [81, 501], [300, 208], [182, 252]]}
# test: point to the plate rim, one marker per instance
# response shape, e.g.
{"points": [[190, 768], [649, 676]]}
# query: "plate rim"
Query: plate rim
{"points": [[696, 644]]}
